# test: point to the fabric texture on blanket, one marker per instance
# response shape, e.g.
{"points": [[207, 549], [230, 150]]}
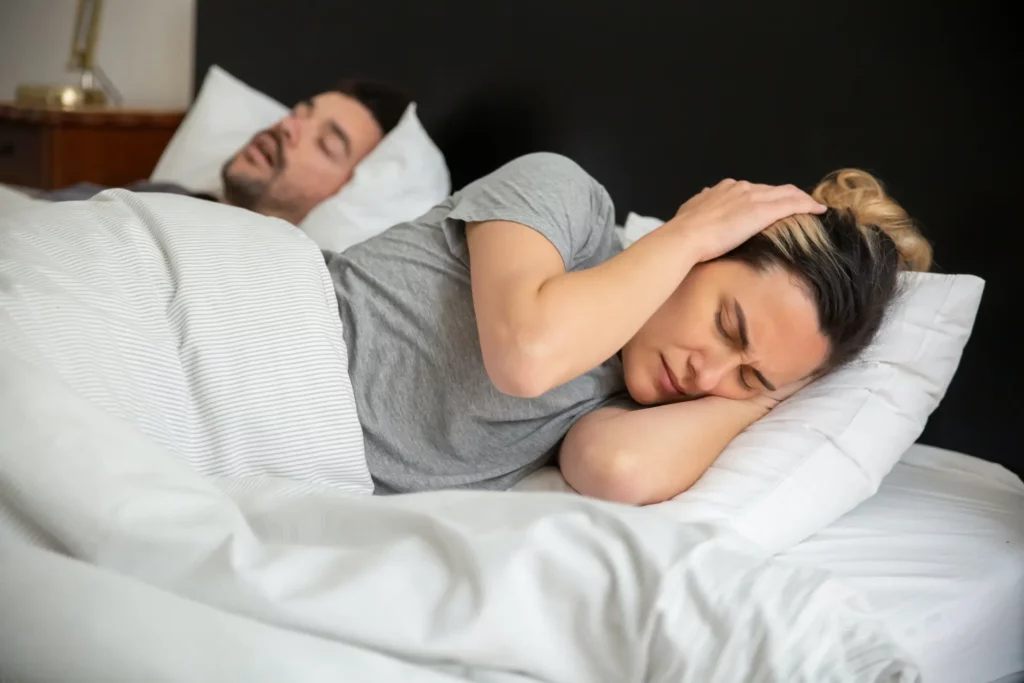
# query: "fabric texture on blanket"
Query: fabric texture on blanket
{"points": [[212, 329], [547, 587], [168, 399], [14, 199]]}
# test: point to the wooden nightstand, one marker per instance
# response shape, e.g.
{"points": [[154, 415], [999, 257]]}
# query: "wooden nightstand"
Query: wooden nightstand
{"points": [[53, 148]]}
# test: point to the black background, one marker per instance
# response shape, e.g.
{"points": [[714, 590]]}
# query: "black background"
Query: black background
{"points": [[658, 99]]}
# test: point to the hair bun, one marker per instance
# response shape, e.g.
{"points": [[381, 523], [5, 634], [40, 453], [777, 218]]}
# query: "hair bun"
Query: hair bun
{"points": [[863, 195]]}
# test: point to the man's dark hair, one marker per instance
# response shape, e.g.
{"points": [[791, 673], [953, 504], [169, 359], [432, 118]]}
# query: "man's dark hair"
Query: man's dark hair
{"points": [[385, 102]]}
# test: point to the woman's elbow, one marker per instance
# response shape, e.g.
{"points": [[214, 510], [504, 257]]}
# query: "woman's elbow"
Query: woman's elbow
{"points": [[519, 369], [616, 476], [519, 381]]}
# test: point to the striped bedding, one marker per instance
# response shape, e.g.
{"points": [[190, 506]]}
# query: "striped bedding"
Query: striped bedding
{"points": [[212, 330], [180, 470]]}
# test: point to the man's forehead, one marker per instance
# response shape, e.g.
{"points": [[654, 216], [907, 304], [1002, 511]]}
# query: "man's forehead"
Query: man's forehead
{"points": [[346, 110], [333, 102], [351, 117]]}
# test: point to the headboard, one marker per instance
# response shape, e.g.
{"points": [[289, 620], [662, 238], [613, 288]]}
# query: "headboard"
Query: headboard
{"points": [[658, 99]]}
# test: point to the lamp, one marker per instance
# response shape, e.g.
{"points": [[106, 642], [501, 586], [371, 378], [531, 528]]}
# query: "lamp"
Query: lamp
{"points": [[94, 87]]}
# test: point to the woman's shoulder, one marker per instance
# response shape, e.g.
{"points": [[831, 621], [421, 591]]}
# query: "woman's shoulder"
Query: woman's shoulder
{"points": [[547, 173]]}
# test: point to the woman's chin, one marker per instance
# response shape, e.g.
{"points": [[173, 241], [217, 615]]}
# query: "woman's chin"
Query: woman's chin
{"points": [[643, 392]]}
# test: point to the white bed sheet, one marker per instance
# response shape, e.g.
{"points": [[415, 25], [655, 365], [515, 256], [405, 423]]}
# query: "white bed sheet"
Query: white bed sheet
{"points": [[939, 552], [12, 199]]}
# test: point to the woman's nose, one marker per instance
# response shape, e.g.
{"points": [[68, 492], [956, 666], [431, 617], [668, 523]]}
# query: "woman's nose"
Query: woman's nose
{"points": [[709, 371]]}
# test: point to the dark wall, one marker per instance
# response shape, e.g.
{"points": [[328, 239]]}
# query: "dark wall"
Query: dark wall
{"points": [[659, 99]]}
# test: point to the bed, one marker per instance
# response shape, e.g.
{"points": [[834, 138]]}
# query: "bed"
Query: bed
{"points": [[118, 328], [636, 95], [935, 559], [938, 551], [939, 554]]}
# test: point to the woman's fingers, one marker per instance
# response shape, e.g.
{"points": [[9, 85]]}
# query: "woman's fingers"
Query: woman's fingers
{"points": [[799, 204], [769, 202], [792, 199]]}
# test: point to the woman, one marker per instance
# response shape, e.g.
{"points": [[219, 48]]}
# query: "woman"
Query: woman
{"points": [[506, 326]]}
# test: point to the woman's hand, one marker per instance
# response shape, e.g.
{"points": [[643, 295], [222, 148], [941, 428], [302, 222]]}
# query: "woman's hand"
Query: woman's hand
{"points": [[722, 217]]}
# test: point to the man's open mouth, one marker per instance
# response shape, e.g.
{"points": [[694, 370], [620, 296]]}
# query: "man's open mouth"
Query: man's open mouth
{"points": [[266, 147]]}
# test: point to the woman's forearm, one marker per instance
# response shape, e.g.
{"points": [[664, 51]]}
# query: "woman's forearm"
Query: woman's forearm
{"points": [[650, 455], [544, 330], [591, 314]]}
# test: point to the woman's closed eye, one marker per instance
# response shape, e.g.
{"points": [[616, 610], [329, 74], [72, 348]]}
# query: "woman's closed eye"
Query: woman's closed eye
{"points": [[734, 341]]}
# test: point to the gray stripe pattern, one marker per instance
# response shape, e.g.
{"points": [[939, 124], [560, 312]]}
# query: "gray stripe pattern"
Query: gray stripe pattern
{"points": [[213, 330]]}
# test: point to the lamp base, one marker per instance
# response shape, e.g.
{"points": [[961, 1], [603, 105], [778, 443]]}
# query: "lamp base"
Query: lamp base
{"points": [[59, 96]]}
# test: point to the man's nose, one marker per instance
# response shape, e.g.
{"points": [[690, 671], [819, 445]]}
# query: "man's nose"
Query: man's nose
{"points": [[290, 128]]}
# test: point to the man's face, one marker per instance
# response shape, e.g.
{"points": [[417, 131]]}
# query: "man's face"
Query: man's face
{"points": [[303, 159]]}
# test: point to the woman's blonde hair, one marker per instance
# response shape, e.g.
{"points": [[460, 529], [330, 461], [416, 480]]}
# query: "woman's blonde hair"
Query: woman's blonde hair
{"points": [[849, 257]]}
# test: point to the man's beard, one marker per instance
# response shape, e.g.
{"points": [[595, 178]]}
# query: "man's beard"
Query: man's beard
{"points": [[247, 192]]}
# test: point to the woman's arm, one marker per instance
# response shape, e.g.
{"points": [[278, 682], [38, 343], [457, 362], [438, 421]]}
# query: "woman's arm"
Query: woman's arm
{"points": [[649, 455], [540, 326]]}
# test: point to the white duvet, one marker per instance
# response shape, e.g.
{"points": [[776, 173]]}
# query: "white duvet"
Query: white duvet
{"points": [[183, 498]]}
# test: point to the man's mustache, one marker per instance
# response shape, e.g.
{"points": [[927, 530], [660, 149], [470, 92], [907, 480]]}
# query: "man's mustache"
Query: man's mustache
{"points": [[277, 152]]}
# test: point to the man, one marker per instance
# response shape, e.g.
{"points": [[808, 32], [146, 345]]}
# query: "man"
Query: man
{"points": [[301, 160]]}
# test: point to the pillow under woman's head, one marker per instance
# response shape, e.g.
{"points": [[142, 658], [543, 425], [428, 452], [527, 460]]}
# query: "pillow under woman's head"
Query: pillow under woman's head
{"points": [[359, 145], [825, 450]]}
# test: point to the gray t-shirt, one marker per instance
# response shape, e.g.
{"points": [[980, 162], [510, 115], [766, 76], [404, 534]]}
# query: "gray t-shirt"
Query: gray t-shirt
{"points": [[431, 416]]}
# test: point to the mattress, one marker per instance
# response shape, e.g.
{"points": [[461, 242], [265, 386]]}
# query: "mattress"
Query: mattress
{"points": [[939, 553]]}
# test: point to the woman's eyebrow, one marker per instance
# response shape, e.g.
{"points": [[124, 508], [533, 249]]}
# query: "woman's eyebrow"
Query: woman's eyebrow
{"points": [[741, 325]]}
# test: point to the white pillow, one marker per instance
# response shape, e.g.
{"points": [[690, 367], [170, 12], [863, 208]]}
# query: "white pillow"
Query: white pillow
{"points": [[224, 116], [402, 178], [825, 450]]}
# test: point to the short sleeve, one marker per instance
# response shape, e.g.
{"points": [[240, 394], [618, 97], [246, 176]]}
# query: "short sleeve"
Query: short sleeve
{"points": [[547, 192]]}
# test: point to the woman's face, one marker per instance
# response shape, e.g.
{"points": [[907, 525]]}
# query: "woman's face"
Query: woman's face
{"points": [[728, 330]]}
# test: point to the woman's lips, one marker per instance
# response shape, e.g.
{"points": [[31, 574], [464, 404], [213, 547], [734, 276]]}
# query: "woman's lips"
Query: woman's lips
{"points": [[668, 381]]}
